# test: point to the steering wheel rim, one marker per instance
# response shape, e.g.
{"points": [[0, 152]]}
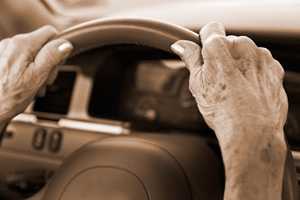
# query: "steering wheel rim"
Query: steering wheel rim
{"points": [[110, 31], [144, 32]]}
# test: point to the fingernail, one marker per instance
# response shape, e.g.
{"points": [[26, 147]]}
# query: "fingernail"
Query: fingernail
{"points": [[177, 49], [65, 47]]}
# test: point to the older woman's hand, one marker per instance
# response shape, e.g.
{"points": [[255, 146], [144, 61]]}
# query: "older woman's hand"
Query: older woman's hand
{"points": [[26, 63], [239, 92]]}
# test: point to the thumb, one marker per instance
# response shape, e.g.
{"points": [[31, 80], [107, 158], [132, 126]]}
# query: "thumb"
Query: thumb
{"points": [[189, 52], [51, 55]]}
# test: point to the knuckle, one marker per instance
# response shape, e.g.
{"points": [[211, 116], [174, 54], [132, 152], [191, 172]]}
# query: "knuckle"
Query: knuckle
{"points": [[50, 29], [13, 45], [19, 40], [279, 69], [19, 43], [246, 43], [231, 38], [215, 39], [265, 52], [20, 46], [245, 40], [273, 63]]}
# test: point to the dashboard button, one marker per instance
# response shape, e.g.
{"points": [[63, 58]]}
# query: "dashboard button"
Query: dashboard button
{"points": [[55, 141], [39, 139]]}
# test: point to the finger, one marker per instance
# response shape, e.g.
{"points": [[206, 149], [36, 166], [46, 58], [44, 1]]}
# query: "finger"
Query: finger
{"points": [[266, 56], [265, 53], [215, 46], [278, 70], [215, 52], [49, 57], [243, 50], [211, 29], [189, 52], [241, 47], [52, 76], [39, 37]]}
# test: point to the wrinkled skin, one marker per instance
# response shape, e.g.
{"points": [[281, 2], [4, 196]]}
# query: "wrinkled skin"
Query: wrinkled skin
{"points": [[27, 63], [239, 92]]}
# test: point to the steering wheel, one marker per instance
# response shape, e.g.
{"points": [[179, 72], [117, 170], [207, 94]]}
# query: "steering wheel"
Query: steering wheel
{"points": [[157, 167]]}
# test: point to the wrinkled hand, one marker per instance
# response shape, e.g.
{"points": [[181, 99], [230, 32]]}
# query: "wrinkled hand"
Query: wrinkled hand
{"points": [[234, 81], [26, 63], [239, 92]]}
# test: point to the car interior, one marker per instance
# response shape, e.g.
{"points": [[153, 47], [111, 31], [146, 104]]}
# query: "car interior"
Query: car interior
{"points": [[119, 122]]}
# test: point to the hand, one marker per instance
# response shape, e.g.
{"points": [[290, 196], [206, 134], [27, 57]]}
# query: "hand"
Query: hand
{"points": [[239, 92], [234, 81], [26, 63]]}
